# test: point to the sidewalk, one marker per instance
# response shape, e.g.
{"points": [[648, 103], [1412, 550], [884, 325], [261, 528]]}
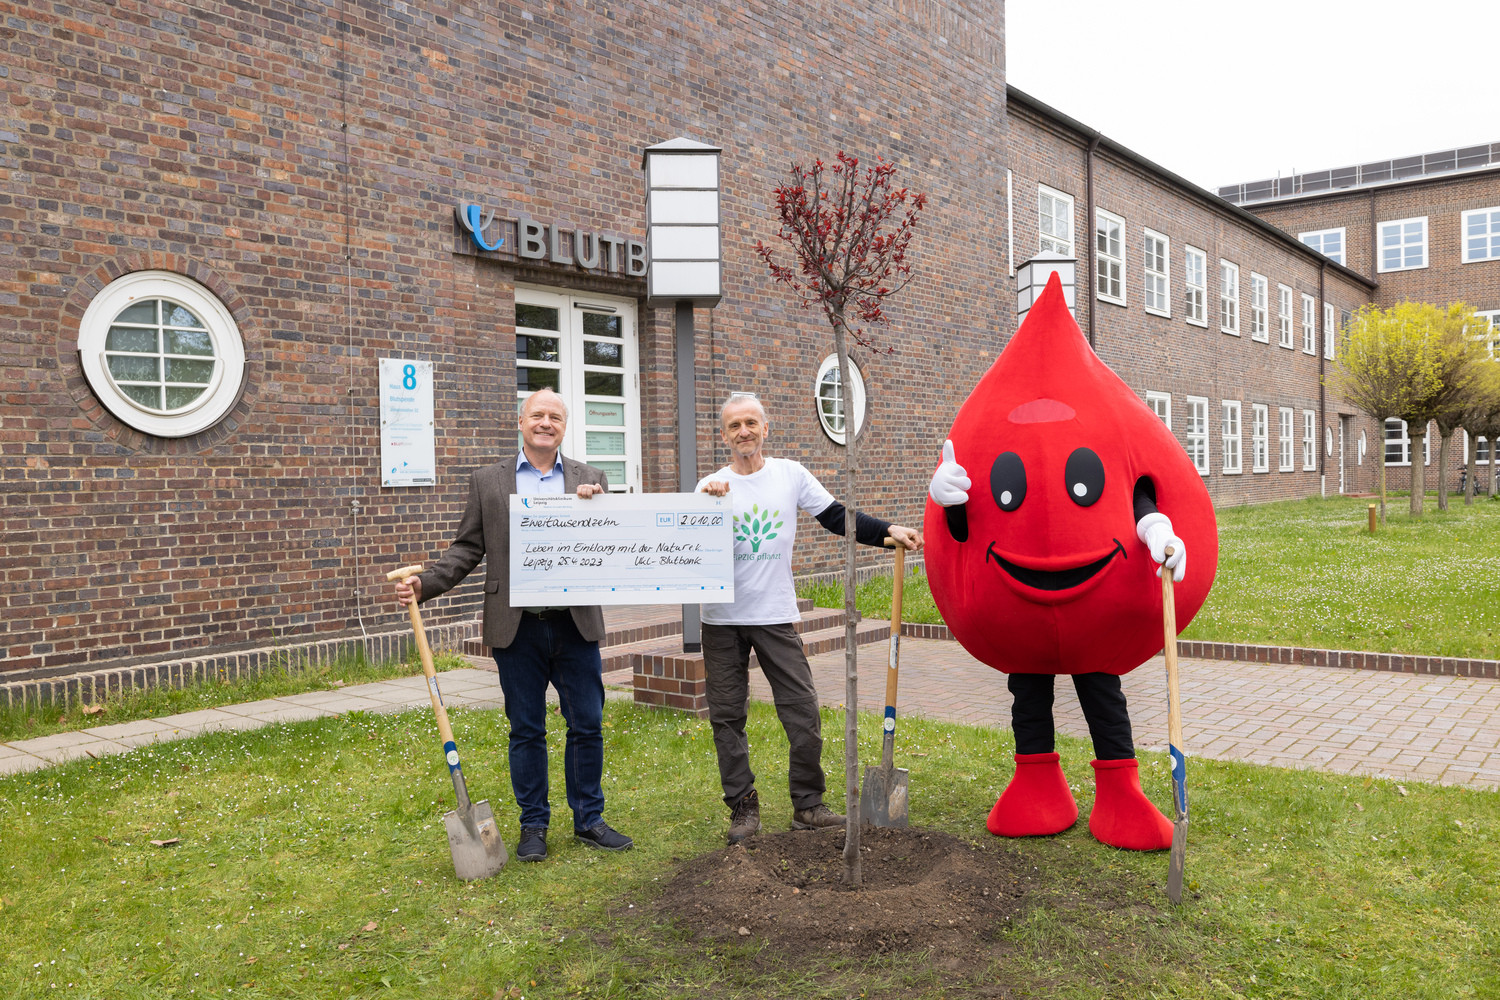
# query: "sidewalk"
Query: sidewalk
{"points": [[469, 687], [1413, 727]]}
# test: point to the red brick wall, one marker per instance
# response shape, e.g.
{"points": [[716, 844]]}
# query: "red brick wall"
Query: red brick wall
{"points": [[303, 162]]}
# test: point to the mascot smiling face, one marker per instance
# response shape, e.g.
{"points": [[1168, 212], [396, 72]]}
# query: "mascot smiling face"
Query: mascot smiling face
{"points": [[1050, 576]]}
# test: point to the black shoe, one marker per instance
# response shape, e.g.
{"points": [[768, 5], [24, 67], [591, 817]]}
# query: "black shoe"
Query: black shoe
{"points": [[601, 836], [533, 845]]}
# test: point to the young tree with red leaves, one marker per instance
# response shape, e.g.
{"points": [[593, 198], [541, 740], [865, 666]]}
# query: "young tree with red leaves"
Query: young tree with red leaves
{"points": [[849, 231]]}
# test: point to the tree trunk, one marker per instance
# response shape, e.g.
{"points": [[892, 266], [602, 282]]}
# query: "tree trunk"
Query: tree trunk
{"points": [[1442, 483], [1382, 476], [1472, 466], [1418, 468], [852, 873]]}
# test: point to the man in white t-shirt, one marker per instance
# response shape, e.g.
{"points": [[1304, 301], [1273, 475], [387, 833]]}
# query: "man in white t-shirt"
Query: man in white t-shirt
{"points": [[767, 494]]}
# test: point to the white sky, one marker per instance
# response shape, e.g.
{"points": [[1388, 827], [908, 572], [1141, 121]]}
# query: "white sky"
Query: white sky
{"points": [[1222, 93]]}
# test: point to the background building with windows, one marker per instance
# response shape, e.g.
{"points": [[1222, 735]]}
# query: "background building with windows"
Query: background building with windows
{"points": [[216, 220], [1425, 227]]}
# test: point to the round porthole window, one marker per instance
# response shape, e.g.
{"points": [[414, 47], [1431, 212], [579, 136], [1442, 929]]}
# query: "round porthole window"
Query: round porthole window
{"points": [[830, 396], [162, 353]]}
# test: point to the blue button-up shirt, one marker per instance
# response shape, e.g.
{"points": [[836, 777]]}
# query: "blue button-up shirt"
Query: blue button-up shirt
{"points": [[531, 481]]}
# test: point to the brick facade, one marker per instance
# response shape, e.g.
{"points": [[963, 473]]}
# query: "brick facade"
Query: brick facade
{"points": [[302, 162]]}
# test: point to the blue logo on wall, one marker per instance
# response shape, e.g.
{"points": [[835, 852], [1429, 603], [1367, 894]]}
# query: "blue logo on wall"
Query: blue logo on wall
{"points": [[476, 221]]}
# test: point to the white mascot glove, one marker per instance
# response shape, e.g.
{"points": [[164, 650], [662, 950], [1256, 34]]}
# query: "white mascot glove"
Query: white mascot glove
{"points": [[950, 483], [1155, 530]]}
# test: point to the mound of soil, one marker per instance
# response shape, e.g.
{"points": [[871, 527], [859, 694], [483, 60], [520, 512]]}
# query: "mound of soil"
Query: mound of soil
{"points": [[923, 891]]}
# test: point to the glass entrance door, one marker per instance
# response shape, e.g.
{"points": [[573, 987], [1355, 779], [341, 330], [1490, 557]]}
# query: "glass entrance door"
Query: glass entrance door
{"points": [[585, 347]]}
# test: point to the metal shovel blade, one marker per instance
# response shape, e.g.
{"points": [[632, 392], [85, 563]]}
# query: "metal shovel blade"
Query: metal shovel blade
{"points": [[474, 840], [882, 797]]}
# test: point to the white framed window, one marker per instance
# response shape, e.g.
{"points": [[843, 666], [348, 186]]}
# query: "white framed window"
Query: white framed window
{"points": [[1055, 220], [1328, 242], [1260, 437], [1161, 405], [1403, 244], [1157, 267], [1260, 293], [1229, 437], [1397, 443], [1492, 316], [1481, 451], [1229, 298], [585, 348], [829, 395], [1284, 314], [1287, 421], [1330, 330], [1309, 324], [1197, 433], [1195, 282], [1481, 229], [1109, 257], [1309, 440], [162, 353]]}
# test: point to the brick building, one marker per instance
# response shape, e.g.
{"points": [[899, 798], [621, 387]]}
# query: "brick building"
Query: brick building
{"points": [[217, 219], [1426, 228]]}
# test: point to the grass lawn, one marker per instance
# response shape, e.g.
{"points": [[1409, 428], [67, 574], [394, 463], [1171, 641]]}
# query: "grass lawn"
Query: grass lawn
{"points": [[25, 722], [312, 863], [1308, 573]]}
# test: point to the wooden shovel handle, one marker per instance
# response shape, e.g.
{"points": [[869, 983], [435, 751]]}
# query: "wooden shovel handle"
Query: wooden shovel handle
{"points": [[1169, 652], [424, 651]]}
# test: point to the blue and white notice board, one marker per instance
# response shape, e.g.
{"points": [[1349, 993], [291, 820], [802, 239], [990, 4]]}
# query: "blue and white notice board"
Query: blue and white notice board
{"points": [[408, 455], [621, 548]]}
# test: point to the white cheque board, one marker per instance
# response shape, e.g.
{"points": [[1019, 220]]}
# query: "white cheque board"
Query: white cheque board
{"points": [[621, 548]]}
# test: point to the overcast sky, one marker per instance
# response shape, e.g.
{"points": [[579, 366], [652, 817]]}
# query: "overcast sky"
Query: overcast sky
{"points": [[1222, 93]]}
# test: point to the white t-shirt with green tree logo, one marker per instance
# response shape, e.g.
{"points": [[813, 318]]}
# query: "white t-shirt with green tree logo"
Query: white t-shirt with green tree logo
{"points": [[765, 526]]}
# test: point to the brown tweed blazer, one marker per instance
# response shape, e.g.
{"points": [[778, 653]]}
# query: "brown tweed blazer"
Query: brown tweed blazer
{"points": [[484, 533]]}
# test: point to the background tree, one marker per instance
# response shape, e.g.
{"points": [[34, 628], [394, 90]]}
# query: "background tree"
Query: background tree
{"points": [[1384, 365], [1481, 419], [1452, 352], [1460, 353], [849, 231]]}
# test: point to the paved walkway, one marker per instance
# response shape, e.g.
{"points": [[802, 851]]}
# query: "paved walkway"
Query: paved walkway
{"points": [[472, 687], [1406, 726]]}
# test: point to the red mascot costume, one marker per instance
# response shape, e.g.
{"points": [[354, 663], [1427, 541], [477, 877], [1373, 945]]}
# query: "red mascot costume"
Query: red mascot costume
{"points": [[1046, 562]]}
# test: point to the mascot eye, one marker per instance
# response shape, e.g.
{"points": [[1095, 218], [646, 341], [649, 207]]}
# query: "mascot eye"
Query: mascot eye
{"points": [[1008, 481], [1085, 477]]}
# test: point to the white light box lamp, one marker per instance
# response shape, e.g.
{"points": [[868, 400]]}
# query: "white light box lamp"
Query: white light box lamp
{"points": [[1032, 277], [682, 223]]}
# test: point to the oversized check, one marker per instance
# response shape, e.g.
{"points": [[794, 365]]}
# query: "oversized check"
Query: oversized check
{"points": [[621, 548]]}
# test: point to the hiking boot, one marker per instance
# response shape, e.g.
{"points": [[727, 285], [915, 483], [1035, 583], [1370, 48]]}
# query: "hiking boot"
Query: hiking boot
{"points": [[745, 820], [533, 845], [816, 818]]}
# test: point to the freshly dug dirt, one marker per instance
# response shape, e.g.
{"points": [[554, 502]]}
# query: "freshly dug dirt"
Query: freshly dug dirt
{"points": [[923, 891]]}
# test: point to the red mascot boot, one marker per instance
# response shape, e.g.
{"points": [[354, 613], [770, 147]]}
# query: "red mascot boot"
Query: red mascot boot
{"points": [[1037, 802], [1123, 816]]}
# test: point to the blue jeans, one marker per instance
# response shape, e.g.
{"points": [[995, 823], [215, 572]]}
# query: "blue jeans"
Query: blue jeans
{"points": [[551, 651]]}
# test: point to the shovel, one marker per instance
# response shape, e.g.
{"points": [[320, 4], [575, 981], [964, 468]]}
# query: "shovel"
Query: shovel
{"points": [[473, 838], [1174, 738], [883, 799]]}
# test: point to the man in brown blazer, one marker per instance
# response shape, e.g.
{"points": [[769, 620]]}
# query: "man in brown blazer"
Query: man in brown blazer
{"points": [[535, 647]]}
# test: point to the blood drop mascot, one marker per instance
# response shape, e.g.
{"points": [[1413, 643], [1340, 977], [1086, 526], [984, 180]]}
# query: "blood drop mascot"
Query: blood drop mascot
{"points": [[1048, 518]]}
